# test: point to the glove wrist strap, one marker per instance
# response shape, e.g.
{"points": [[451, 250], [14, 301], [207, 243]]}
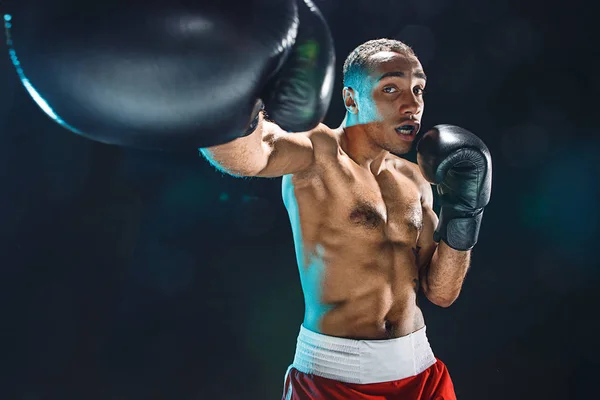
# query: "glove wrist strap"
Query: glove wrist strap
{"points": [[258, 107], [458, 232]]}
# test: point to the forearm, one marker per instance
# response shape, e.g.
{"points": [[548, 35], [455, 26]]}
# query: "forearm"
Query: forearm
{"points": [[444, 275], [245, 156]]}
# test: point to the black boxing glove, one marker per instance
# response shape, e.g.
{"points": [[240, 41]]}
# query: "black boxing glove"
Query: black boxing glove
{"points": [[164, 74], [460, 164], [298, 97]]}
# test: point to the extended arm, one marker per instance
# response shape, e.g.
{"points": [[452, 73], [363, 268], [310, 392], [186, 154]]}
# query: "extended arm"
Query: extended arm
{"points": [[296, 99], [267, 152]]}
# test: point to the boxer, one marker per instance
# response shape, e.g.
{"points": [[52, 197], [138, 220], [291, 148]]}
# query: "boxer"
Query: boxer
{"points": [[366, 236], [206, 74]]}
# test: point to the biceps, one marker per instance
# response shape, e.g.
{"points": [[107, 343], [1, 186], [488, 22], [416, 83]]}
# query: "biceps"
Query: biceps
{"points": [[289, 153]]}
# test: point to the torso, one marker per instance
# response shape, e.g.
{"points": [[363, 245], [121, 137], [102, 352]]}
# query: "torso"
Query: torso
{"points": [[356, 235]]}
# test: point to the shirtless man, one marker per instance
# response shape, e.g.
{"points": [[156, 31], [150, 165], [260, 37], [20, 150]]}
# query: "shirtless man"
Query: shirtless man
{"points": [[367, 239], [366, 236]]}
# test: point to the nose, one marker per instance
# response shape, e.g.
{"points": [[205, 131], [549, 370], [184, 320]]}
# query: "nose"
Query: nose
{"points": [[411, 104]]}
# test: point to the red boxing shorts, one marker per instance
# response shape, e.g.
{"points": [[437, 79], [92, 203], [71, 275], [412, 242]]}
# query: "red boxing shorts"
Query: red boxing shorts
{"points": [[327, 367]]}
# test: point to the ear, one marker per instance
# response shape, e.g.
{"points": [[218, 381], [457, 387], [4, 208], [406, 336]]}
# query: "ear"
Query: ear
{"points": [[350, 100]]}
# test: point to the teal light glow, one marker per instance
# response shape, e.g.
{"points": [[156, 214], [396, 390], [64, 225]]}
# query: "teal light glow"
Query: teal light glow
{"points": [[37, 97], [312, 267]]}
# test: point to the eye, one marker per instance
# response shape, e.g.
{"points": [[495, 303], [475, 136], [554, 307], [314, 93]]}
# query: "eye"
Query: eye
{"points": [[418, 91], [390, 89]]}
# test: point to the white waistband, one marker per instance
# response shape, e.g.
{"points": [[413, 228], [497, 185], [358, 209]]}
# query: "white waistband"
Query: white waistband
{"points": [[363, 361]]}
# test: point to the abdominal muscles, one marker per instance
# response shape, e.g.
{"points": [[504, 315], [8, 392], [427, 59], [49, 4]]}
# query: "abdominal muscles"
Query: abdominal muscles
{"points": [[357, 283], [361, 290], [355, 237]]}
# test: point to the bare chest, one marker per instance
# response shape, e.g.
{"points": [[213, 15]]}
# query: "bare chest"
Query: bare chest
{"points": [[383, 207], [389, 203]]}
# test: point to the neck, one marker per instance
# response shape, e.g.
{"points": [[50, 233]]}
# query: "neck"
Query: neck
{"points": [[359, 146]]}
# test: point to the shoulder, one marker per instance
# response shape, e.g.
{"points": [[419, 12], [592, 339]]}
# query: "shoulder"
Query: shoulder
{"points": [[412, 171], [325, 140], [407, 168]]}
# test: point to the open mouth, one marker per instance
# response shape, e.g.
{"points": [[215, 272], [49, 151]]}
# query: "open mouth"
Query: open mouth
{"points": [[406, 130]]}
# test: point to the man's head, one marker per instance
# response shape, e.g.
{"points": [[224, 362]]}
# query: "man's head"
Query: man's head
{"points": [[383, 92]]}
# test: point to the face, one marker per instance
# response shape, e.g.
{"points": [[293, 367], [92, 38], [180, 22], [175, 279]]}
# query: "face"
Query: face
{"points": [[390, 102]]}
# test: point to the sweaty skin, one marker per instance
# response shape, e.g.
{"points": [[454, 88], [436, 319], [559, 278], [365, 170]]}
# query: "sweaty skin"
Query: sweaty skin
{"points": [[361, 216]]}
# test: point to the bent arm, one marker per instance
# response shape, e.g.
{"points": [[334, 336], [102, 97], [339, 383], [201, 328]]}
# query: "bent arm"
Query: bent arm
{"points": [[445, 274], [268, 151], [442, 269]]}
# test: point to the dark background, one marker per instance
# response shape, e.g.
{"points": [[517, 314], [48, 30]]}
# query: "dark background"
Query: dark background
{"points": [[131, 274]]}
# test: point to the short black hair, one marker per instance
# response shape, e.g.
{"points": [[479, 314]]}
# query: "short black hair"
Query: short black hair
{"points": [[359, 59]]}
